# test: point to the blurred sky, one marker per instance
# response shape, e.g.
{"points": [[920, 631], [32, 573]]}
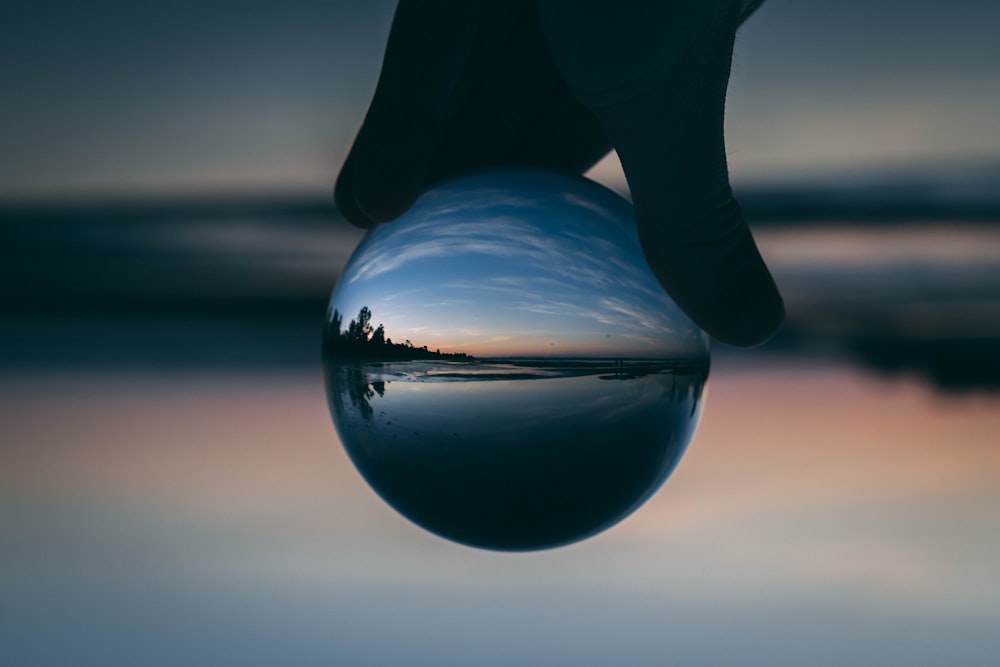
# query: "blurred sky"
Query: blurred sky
{"points": [[112, 97]]}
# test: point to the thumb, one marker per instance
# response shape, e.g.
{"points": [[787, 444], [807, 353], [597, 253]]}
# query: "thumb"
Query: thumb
{"points": [[659, 92], [387, 166], [691, 229]]}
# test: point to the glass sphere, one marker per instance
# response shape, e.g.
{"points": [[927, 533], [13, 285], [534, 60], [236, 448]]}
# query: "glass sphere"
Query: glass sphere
{"points": [[503, 368]]}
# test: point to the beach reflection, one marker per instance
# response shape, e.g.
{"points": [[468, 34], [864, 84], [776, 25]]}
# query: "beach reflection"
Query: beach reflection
{"points": [[516, 454]]}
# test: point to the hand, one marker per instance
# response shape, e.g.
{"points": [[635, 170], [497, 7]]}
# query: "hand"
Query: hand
{"points": [[557, 84]]}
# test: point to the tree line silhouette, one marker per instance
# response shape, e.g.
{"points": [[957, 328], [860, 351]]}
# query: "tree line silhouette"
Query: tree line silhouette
{"points": [[361, 339]]}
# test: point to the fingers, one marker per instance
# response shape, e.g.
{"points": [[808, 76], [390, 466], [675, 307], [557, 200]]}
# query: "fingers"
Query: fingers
{"points": [[692, 232], [386, 168], [500, 102], [433, 46], [501, 91], [518, 111], [748, 9], [658, 88], [561, 135], [343, 196]]}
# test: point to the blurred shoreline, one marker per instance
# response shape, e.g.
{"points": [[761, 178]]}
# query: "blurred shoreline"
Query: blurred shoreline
{"points": [[900, 274]]}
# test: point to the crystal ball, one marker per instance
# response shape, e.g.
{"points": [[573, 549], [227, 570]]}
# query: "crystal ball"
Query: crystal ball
{"points": [[502, 367]]}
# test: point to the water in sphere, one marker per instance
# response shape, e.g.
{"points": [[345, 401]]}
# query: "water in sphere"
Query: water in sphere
{"points": [[503, 368]]}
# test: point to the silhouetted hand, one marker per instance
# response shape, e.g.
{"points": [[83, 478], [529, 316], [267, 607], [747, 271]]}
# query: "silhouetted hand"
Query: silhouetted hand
{"points": [[557, 84]]}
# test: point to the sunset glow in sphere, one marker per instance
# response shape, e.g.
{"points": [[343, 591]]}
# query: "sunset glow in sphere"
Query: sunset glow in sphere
{"points": [[503, 368]]}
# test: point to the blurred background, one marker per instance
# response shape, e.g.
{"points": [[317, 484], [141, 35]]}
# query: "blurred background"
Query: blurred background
{"points": [[171, 487]]}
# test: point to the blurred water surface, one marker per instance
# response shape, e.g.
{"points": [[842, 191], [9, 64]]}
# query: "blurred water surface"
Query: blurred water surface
{"points": [[172, 489], [821, 516]]}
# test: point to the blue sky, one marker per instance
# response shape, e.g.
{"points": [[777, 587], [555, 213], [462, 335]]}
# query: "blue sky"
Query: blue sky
{"points": [[110, 97], [525, 266]]}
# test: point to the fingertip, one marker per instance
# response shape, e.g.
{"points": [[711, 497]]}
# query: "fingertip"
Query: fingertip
{"points": [[343, 196], [393, 153], [749, 309], [723, 286], [661, 101]]}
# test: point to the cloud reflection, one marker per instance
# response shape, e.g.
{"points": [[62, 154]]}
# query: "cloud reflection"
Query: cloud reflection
{"points": [[533, 259]]}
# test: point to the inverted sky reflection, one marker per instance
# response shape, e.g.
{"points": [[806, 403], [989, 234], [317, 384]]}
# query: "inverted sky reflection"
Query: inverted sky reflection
{"points": [[516, 264]]}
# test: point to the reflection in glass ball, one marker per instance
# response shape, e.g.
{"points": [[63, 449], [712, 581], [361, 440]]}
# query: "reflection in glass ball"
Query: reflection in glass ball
{"points": [[502, 367]]}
